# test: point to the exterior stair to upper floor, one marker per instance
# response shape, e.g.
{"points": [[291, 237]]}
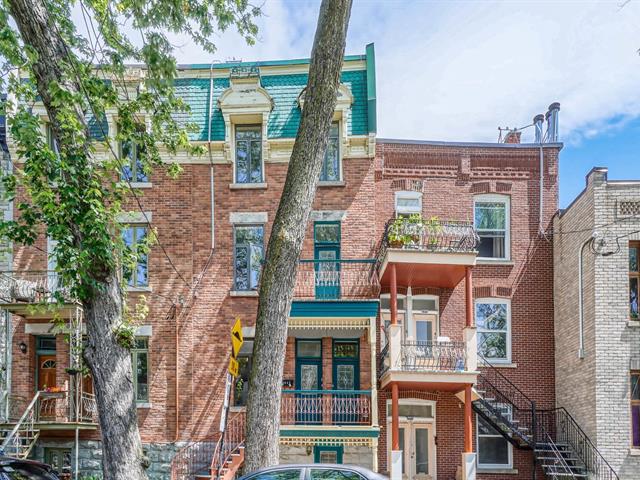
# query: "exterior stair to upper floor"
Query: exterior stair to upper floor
{"points": [[559, 445], [213, 459], [19, 441]]}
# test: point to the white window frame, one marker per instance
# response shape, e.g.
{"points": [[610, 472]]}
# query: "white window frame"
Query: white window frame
{"points": [[410, 195], [500, 301], [233, 266], [493, 466], [506, 200], [134, 357], [241, 125]]}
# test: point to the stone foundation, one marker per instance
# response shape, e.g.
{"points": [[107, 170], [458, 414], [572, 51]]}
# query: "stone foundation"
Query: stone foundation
{"points": [[90, 457]]}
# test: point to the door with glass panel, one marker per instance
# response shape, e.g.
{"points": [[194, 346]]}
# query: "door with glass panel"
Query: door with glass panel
{"points": [[418, 455], [326, 259], [346, 379], [308, 409]]}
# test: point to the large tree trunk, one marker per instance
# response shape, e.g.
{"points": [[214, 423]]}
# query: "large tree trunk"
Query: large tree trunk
{"points": [[111, 368], [281, 261], [110, 364]]}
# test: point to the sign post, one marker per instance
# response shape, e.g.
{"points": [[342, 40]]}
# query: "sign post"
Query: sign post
{"points": [[232, 372]]}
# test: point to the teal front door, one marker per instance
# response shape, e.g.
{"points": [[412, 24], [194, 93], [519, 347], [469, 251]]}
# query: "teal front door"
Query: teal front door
{"points": [[327, 272], [308, 382], [346, 378], [326, 237]]}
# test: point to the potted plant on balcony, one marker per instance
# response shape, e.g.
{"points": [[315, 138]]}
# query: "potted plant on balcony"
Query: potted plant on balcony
{"points": [[405, 231], [433, 229]]}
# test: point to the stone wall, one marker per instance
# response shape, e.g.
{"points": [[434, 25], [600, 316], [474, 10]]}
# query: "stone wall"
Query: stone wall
{"points": [[90, 456]]}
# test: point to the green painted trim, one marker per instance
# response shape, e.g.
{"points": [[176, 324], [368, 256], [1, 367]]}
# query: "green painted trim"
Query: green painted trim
{"points": [[334, 308], [371, 88], [263, 63], [330, 433], [339, 449]]}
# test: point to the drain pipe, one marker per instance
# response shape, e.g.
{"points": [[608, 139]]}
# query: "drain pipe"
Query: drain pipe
{"points": [[213, 236], [581, 299]]}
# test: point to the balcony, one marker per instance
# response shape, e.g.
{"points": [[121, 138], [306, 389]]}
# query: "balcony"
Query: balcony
{"points": [[53, 410], [443, 364], [337, 280], [326, 407], [427, 252], [21, 291]]}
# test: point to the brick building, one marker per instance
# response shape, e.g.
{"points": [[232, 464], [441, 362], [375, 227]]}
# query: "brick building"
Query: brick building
{"points": [[421, 335], [597, 331]]}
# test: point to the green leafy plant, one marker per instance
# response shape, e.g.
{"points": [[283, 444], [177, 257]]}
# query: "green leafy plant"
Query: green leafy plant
{"points": [[405, 231]]}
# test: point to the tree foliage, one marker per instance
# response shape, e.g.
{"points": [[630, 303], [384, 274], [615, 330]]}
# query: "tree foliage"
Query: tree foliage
{"points": [[76, 198]]}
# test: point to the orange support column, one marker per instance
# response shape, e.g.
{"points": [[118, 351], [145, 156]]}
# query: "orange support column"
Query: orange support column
{"points": [[468, 294], [468, 425]]}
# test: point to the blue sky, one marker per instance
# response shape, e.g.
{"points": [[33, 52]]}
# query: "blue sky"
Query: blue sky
{"points": [[459, 69]]}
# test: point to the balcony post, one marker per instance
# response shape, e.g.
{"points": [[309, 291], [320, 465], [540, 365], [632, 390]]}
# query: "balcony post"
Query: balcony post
{"points": [[468, 289], [393, 300], [468, 457], [396, 453]]}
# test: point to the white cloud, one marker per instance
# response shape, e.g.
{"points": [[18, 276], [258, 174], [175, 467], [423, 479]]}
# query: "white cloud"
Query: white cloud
{"points": [[456, 70]]}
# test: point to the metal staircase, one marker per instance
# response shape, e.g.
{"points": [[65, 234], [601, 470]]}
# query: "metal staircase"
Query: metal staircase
{"points": [[19, 441], [559, 445], [210, 459]]}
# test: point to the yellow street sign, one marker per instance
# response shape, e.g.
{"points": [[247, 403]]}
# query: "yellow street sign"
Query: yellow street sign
{"points": [[233, 367], [236, 338]]}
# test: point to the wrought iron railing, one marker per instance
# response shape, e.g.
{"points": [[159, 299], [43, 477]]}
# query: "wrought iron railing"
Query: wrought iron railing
{"points": [[429, 234], [383, 360], [31, 286], [555, 464], [434, 356], [506, 402], [563, 429], [326, 407], [337, 279], [230, 443], [193, 458], [21, 439]]}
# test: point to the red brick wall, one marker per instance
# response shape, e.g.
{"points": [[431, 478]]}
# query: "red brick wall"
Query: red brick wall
{"points": [[181, 214], [451, 175]]}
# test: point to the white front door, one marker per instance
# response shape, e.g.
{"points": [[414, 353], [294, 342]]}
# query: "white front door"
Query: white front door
{"points": [[418, 450]]}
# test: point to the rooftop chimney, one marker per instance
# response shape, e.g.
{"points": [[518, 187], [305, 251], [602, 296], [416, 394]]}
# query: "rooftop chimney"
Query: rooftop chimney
{"points": [[512, 136], [538, 120], [552, 122]]}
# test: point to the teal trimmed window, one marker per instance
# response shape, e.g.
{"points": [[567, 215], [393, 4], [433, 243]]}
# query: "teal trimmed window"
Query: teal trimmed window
{"points": [[134, 236], [328, 454], [331, 165], [249, 154], [140, 361]]}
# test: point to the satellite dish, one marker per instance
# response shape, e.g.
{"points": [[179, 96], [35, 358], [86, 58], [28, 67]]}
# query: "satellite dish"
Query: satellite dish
{"points": [[603, 242]]}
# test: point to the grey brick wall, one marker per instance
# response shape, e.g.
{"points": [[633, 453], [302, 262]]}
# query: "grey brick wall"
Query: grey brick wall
{"points": [[596, 389]]}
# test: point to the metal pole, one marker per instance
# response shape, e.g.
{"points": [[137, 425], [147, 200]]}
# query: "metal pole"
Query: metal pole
{"points": [[230, 382], [75, 474]]}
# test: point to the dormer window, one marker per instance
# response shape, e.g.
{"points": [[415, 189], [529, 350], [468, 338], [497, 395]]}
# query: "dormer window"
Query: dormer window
{"points": [[249, 154]]}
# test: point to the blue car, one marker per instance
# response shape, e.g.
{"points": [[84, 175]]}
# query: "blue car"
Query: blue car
{"points": [[16, 469]]}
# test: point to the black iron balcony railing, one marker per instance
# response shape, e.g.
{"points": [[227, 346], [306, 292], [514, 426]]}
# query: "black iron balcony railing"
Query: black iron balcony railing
{"points": [[326, 407], [337, 279], [31, 286], [429, 234], [434, 356]]}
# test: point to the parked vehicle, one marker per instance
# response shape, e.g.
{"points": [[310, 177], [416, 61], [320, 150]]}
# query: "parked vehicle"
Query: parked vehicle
{"points": [[314, 471], [17, 469]]}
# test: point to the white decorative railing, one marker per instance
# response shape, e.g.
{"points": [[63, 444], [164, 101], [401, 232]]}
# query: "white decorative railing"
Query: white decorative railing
{"points": [[337, 279], [21, 439], [326, 407], [31, 286]]}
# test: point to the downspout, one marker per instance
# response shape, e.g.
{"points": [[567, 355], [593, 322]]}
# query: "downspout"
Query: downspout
{"points": [[541, 213], [581, 300]]}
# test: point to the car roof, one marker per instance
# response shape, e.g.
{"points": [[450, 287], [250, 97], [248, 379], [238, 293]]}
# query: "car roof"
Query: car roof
{"points": [[293, 466], [5, 460]]}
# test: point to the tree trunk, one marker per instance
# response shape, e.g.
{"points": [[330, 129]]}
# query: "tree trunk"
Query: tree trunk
{"points": [[287, 234], [110, 364]]}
